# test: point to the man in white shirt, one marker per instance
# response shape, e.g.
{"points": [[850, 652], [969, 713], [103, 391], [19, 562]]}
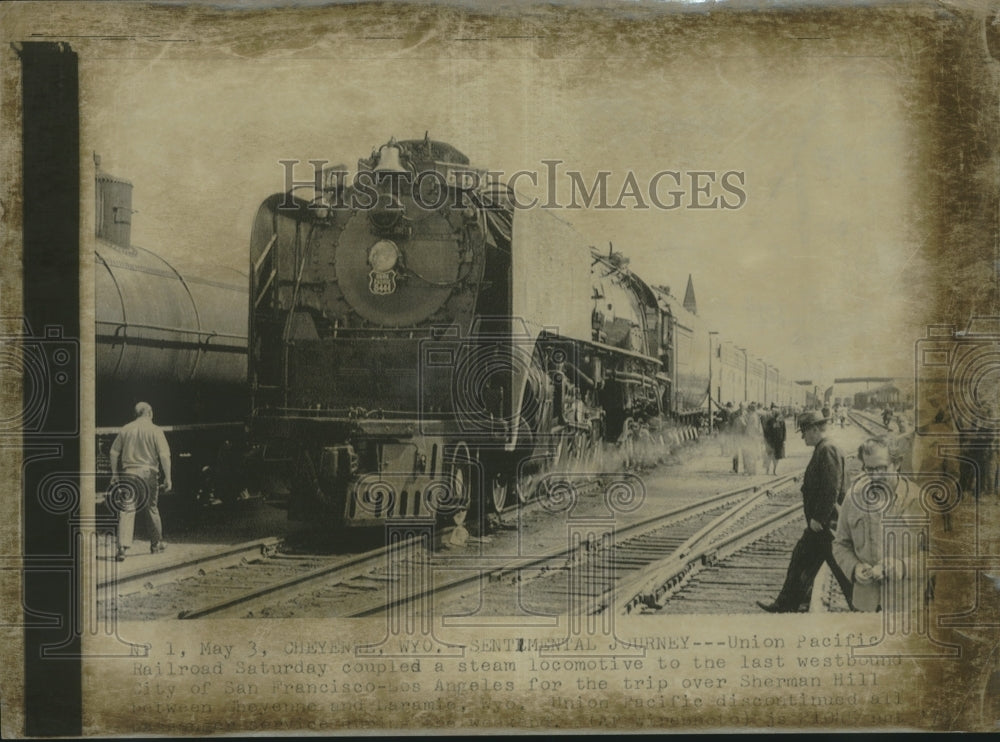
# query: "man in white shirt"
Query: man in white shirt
{"points": [[136, 457]]}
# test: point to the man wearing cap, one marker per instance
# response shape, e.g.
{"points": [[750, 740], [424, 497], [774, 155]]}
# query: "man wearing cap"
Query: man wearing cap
{"points": [[136, 457], [823, 488]]}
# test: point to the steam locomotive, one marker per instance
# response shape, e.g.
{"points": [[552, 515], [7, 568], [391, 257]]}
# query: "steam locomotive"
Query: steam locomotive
{"points": [[176, 340], [419, 346]]}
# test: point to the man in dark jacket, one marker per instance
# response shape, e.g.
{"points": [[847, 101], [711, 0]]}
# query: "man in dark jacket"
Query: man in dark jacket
{"points": [[774, 440], [823, 488]]}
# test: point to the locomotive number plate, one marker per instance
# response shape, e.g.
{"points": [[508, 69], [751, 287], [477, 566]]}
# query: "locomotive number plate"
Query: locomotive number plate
{"points": [[382, 283]]}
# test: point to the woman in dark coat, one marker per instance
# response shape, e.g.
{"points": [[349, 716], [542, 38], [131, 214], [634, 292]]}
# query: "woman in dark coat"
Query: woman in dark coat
{"points": [[774, 440]]}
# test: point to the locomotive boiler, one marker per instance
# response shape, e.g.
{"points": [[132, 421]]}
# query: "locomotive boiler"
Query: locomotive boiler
{"points": [[176, 340], [420, 347]]}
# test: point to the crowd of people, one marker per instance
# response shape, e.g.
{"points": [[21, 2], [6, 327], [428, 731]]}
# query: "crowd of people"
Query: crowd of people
{"points": [[752, 434]]}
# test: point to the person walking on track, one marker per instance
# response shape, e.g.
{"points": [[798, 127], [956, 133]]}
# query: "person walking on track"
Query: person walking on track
{"points": [[823, 488], [752, 445], [137, 454]]}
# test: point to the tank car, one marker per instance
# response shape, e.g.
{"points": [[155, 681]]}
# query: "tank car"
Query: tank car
{"points": [[419, 347], [176, 340]]}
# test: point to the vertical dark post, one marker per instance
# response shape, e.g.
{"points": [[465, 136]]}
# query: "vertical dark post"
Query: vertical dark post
{"points": [[51, 186]]}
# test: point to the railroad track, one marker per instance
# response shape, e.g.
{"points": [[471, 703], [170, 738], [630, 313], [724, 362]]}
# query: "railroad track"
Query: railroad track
{"points": [[233, 578], [738, 559], [407, 571], [592, 577], [254, 581], [164, 574], [360, 572], [868, 424], [732, 582], [585, 577], [716, 559], [357, 585], [746, 523]]}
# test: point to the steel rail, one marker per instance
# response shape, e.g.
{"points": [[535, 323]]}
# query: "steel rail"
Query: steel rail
{"points": [[344, 569], [870, 426], [675, 570], [163, 574], [668, 574]]}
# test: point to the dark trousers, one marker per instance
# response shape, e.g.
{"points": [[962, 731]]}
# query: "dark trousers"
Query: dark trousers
{"points": [[812, 549]]}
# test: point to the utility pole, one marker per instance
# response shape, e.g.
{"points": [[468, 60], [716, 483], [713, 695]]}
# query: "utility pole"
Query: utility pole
{"points": [[711, 417]]}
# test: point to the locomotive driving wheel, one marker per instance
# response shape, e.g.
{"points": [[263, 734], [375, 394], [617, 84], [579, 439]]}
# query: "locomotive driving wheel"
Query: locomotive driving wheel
{"points": [[500, 486], [308, 500], [460, 496], [306, 493], [459, 478], [525, 487], [580, 447]]}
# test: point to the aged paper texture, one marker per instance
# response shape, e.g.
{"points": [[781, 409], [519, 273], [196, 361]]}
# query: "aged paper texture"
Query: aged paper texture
{"points": [[823, 177]]}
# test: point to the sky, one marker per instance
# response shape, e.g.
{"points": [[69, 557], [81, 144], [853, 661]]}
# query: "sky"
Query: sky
{"points": [[816, 272]]}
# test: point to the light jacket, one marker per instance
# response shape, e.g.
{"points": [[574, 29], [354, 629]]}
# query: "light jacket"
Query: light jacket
{"points": [[859, 537]]}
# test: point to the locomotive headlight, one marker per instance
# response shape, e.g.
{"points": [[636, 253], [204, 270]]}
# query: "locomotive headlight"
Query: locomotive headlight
{"points": [[383, 255]]}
